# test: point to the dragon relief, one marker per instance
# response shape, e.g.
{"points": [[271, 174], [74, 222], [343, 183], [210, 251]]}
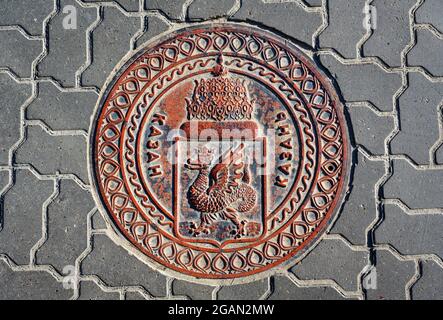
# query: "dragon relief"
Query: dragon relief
{"points": [[223, 189]]}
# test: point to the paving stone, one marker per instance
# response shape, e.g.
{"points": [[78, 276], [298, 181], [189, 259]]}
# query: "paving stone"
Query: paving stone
{"points": [[430, 12], [27, 14], [128, 5], [280, 16], [110, 42], [364, 82], [419, 189], [49, 154], [134, 296], [360, 210], [12, 96], [418, 119], [430, 284], [345, 27], [284, 289], [22, 226], [391, 34], [370, 130], [66, 226], [427, 53], [62, 110], [106, 261], [207, 9], [439, 155], [71, 110], [4, 179], [156, 26], [18, 53], [344, 264], [314, 3], [171, 8], [192, 290], [411, 234], [30, 285], [249, 291], [90, 291], [97, 221], [392, 277], [64, 58]]}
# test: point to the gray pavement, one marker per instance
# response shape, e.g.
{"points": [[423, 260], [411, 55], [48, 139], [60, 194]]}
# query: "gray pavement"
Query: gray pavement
{"points": [[54, 243]]}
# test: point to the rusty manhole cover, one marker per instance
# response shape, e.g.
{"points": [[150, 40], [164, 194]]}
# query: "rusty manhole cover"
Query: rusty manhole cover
{"points": [[220, 152]]}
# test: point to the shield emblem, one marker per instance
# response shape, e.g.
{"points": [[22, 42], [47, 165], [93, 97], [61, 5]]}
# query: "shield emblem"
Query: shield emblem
{"points": [[220, 189], [219, 177]]}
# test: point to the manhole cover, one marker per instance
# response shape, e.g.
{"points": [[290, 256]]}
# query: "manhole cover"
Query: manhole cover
{"points": [[220, 152]]}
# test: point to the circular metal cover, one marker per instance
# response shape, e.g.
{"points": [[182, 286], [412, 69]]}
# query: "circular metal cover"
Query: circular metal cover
{"points": [[220, 152]]}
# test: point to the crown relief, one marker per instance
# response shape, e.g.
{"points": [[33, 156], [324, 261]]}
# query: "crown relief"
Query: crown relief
{"points": [[220, 98]]}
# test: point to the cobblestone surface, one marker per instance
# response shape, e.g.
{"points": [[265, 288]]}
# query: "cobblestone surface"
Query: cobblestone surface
{"points": [[391, 81], [62, 109], [392, 33]]}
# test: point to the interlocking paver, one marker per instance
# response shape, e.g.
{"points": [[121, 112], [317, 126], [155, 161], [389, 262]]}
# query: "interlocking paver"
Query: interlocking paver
{"points": [[428, 287], [392, 277], [128, 5], [287, 290], [66, 226], [391, 33], [46, 217], [429, 12], [344, 264], [91, 291], [62, 110], [110, 42], [280, 17], [411, 234], [155, 26], [419, 112], [18, 52], [192, 290], [313, 3], [50, 154], [370, 129], [345, 27], [134, 296], [207, 9], [364, 82], [30, 19], [105, 262], [360, 209], [22, 213], [418, 189], [427, 53], [250, 291], [439, 155], [30, 285], [12, 96], [172, 8], [4, 179], [64, 58], [97, 221]]}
